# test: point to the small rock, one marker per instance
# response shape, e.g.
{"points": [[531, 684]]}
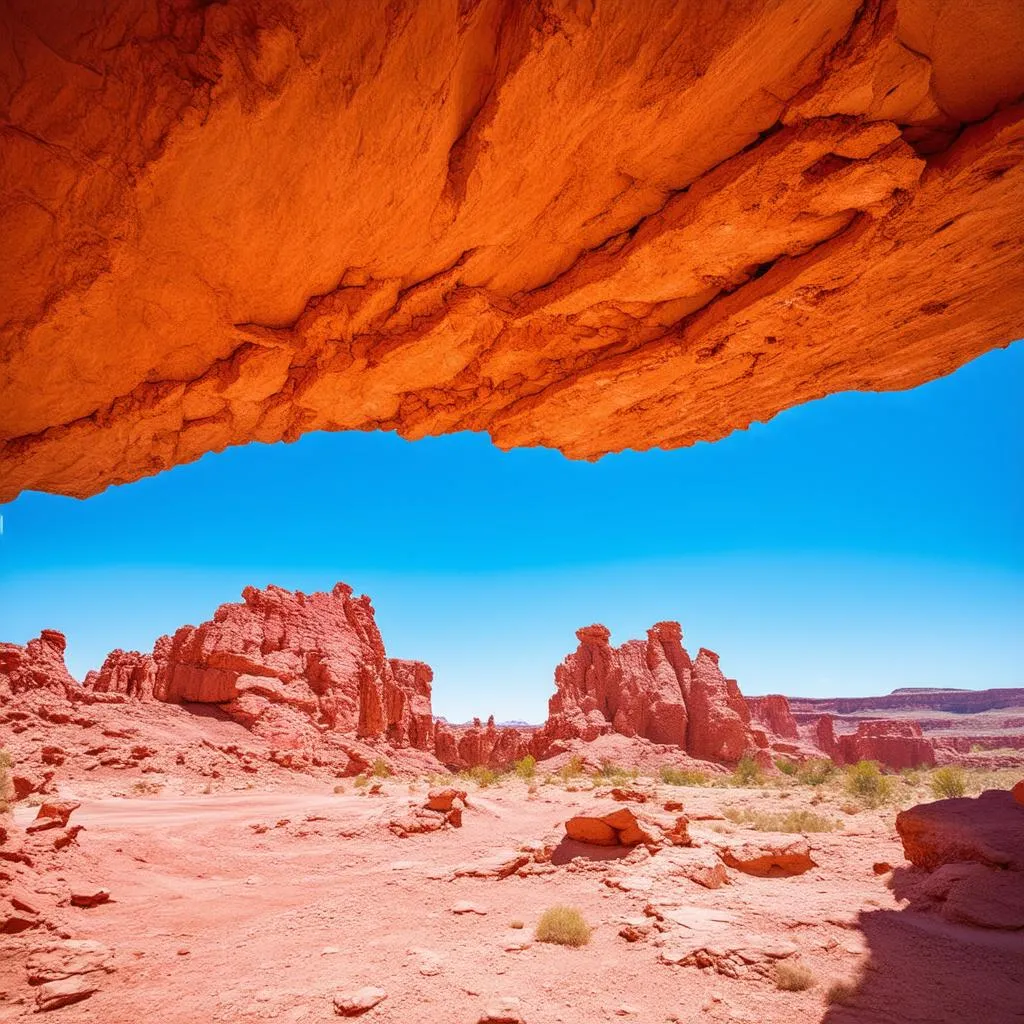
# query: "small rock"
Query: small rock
{"points": [[502, 1010], [352, 1004], [881, 867], [465, 907], [89, 897]]}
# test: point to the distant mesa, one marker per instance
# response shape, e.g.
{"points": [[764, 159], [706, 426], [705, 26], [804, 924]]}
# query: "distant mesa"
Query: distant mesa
{"points": [[307, 679]]}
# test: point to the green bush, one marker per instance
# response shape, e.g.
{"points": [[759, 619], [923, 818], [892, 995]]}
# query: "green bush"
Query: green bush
{"points": [[948, 782], [747, 773], [381, 769], [526, 768], [815, 771], [564, 926], [681, 777], [572, 769], [865, 781], [786, 766]]}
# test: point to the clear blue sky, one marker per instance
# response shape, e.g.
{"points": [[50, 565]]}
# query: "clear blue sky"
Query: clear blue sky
{"points": [[849, 546]]}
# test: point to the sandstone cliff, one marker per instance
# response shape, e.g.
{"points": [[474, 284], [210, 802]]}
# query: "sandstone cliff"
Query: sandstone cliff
{"points": [[588, 226], [651, 689]]}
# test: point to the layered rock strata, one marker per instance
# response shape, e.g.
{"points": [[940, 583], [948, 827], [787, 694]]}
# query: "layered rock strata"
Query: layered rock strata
{"points": [[587, 226]]}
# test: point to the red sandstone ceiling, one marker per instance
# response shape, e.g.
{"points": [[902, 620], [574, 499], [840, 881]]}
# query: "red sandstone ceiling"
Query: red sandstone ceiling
{"points": [[587, 225]]}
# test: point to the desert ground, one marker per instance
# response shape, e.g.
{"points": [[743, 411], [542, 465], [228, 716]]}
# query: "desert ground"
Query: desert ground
{"points": [[236, 904]]}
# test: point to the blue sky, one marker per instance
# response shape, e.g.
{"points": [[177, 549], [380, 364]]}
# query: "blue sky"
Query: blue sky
{"points": [[849, 546]]}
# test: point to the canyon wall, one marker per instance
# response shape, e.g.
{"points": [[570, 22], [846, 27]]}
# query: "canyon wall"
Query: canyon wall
{"points": [[590, 226]]}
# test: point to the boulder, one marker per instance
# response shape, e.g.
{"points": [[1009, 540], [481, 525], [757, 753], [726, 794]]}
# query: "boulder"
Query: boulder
{"points": [[987, 829], [769, 856], [1018, 792], [53, 814], [444, 799]]}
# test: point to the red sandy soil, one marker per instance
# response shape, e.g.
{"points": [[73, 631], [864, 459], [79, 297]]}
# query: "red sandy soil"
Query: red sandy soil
{"points": [[212, 920]]}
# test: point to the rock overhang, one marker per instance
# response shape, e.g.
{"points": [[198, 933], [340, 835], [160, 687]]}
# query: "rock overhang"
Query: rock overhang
{"points": [[589, 227]]}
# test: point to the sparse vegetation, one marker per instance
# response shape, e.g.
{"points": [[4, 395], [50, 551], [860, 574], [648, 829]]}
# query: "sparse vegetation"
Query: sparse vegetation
{"points": [[526, 768], [517, 924], [948, 782], [841, 992], [792, 821], [481, 775], [815, 771], [564, 926], [865, 781], [339, 788], [793, 976], [146, 787], [381, 769], [360, 781], [747, 772], [572, 769], [786, 766], [682, 777], [6, 789]]}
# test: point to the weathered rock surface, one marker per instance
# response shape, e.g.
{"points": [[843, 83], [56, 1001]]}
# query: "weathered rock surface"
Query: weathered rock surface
{"points": [[717, 211], [768, 857], [651, 689], [988, 829], [896, 744]]}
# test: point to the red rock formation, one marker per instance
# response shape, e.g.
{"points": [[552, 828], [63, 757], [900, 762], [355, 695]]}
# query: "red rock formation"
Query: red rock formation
{"points": [[649, 689], [291, 665], [773, 712], [38, 667], [718, 210], [126, 672], [895, 744], [491, 746]]}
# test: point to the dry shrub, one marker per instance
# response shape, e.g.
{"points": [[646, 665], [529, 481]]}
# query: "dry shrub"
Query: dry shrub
{"points": [[948, 782], [517, 924], [682, 777], [841, 992], [6, 789], [792, 821], [793, 976], [563, 926]]}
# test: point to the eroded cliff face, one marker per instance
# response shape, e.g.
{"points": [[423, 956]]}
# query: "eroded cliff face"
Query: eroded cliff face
{"points": [[588, 225], [651, 689]]}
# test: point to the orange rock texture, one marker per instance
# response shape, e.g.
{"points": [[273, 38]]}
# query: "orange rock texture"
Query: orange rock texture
{"points": [[586, 224]]}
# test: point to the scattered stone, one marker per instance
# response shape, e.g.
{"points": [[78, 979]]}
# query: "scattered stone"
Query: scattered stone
{"points": [[444, 799], [881, 867], [89, 897], [465, 907], [502, 1010], [53, 814], [352, 1004], [768, 857]]}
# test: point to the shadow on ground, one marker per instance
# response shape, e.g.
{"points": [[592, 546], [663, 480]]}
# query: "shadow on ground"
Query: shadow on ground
{"points": [[569, 848], [924, 970]]}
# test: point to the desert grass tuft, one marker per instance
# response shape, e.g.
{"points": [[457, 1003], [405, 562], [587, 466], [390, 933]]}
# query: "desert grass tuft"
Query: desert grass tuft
{"points": [[563, 926]]}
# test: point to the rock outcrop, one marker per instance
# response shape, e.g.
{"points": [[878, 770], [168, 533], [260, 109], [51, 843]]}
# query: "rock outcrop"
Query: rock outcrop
{"points": [[488, 745], [650, 689], [773, 713], [895, 744], [130, 673], [717, 211], [289, 666], [973, 852]]}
